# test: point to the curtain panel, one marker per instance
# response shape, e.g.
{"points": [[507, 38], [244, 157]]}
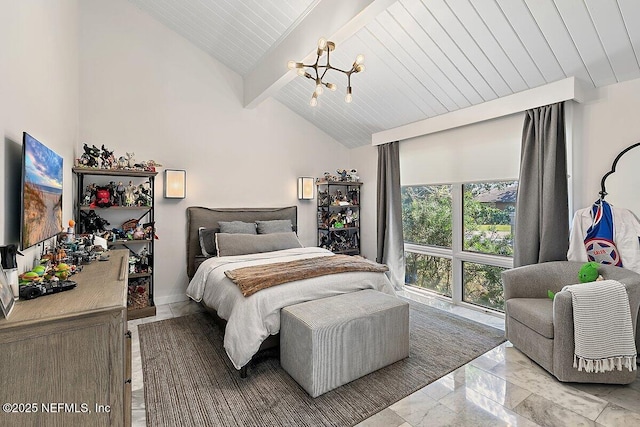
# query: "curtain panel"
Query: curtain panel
{"points": [[542, 208], [389, 213]]}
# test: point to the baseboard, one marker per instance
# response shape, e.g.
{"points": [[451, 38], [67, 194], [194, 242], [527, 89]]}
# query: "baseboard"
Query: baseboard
{"points": [[169, 299]]}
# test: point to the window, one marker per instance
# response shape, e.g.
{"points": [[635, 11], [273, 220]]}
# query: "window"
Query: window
{"points": [[426, 215], [488, 213], [429, 272], [459, 238]]}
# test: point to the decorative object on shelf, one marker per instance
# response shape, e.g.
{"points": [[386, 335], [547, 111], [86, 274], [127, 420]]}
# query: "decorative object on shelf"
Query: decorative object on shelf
{"points": [[92, 222], [104, 159], [107, 160], [175, 184], [90, 156], [318, 71], [305, 188], [339, 215], [343, 175]]}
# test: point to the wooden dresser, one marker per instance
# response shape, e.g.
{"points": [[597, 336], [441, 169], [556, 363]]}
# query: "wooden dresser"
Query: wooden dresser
{"points": [[66, 357]]}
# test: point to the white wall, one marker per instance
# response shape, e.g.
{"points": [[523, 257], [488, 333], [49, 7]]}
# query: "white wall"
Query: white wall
{"points": [[39, 95], [606, 125], [147, 90]]}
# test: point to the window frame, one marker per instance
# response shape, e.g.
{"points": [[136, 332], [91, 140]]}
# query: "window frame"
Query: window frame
{"points": [[457, 254]]}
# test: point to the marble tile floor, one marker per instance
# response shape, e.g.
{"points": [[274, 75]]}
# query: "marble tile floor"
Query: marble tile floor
{"points": [[500, 388]]}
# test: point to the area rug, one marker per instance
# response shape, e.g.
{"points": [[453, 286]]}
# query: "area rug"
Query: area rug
{"points": [[189, 381]]}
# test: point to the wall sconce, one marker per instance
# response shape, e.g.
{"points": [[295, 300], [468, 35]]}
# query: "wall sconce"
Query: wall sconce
{"points": [[175, 184], [305, 188]]}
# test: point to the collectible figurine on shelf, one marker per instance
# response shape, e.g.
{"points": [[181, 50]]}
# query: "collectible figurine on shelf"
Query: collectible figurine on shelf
{"points": [[87, 196], [130, 194], [122, 162], [107, 160], [103, 197], [120, 194], [131, 161], [92, 223], [90, 156], [143, 194]]}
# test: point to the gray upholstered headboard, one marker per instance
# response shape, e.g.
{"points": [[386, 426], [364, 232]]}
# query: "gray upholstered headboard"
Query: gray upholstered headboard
{"points": [[208, 217]]}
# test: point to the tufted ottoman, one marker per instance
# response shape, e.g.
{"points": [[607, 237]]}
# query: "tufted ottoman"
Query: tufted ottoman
{"points": [[329, 342]]}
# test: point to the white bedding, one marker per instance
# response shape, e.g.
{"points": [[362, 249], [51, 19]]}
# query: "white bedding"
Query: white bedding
{"points": [[252, 319]]}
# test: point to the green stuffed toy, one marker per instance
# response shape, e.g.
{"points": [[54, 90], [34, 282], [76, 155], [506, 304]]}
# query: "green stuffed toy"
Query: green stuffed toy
{"points": [[588, 273]]}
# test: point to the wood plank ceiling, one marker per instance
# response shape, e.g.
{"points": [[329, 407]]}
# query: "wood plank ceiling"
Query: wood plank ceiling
{"points": [[423, 57]]}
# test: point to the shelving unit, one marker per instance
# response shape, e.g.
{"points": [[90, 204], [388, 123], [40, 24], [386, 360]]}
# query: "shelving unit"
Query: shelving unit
{"points": [[140, 304], [339, 216]]}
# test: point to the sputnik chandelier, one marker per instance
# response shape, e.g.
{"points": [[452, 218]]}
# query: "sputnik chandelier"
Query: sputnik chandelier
{"points": [[317, 71]]}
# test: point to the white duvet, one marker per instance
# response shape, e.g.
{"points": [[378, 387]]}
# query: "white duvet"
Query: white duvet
{"points": [[250, 320]]}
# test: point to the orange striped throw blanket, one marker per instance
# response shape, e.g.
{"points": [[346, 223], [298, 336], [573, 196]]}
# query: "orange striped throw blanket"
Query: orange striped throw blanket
{"points": [[253, 279]]}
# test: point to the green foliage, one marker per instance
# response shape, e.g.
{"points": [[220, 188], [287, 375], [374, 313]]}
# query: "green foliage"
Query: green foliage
{"points": [[426, 215], [429, 272]]}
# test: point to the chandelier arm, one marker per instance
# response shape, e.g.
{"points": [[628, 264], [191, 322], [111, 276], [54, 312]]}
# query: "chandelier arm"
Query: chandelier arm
{"points": [[338, 69]]}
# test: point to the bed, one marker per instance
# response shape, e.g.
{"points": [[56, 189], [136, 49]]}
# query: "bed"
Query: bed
{"points": [[251, 323]]}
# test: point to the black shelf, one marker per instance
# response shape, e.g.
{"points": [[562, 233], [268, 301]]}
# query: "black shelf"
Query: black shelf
{"points": [[338, 202], [144, 212]]}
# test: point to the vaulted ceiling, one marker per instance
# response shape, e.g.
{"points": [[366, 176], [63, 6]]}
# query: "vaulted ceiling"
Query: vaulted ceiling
{"points": [[423, 58]]}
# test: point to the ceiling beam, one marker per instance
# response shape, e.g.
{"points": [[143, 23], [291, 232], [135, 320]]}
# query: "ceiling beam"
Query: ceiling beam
{"points": [[336, 20]]}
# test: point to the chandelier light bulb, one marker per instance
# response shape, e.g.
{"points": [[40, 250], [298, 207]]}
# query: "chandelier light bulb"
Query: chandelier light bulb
{"points": [[349, 97], [322, 43], [301, 72], [332, 87], [314, 100], [360, 59], [359, 68], [291, 65], [319, 86]]}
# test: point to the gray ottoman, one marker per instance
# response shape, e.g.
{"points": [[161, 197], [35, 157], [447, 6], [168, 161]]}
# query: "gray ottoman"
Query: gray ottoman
{"points": [[329, 342]]}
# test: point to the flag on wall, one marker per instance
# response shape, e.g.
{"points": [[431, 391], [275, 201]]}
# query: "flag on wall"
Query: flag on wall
{"points": [[599, 239]]}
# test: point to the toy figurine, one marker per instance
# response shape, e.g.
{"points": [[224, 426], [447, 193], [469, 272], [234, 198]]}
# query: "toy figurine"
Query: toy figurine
{"points": [[130, 194], [131, 161], [122, 162], [88, 194], [120, 194], [144, 194], [90, 156], [107, 160], [138, 233], [103, 197]]}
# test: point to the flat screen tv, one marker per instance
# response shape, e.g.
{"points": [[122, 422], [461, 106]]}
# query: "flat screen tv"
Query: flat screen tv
{"points": [[41, 192]]}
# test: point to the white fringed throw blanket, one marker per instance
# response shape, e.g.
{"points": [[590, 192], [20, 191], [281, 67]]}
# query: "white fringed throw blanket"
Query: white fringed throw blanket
{"points": [[603, 331]]}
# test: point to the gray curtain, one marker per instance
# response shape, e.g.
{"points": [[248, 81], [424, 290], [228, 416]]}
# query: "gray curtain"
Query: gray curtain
{"points": [[389, 213], [542, 211]]}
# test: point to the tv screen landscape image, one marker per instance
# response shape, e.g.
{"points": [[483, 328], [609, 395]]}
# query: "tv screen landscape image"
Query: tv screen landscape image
{"points": [[41, 192]]}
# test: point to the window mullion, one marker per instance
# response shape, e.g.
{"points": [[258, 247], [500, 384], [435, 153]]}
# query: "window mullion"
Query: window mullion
{"points": [[456, 243]]}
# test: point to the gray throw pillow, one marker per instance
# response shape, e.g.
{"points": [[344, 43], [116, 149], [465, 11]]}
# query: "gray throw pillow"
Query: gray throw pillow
{"points": [[243, 244], [207, 238], [237, 227], [274, 226]]}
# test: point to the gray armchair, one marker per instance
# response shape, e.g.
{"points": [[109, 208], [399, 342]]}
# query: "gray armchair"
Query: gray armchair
{"points": [[543, 329]]}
